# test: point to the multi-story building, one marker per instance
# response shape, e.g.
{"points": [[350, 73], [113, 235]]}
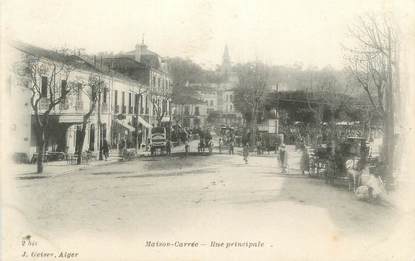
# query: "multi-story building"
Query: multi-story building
{"points": [[51, 73], [150, 70], [128, 107], [190, 113]]}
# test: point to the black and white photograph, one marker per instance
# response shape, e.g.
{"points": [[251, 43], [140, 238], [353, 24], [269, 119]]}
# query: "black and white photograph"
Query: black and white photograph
{"points": [[207, 130]]}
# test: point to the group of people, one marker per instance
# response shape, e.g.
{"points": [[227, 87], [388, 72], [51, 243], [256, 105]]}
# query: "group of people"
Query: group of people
{"points": [[205, 143], [279, 148], [231, 146]]}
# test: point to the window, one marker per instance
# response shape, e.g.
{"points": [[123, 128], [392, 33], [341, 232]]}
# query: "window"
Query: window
{"points": [[154, 81], [186, 110], [141, 104], [130, 108], [164, 104], [104, 98], [79, 103], [136, 103], [230, 98], [116, 98], [230, 107], [123, 102], [44, 90], [146, 104], [211, 103], [226, 97], [197, 111], [63, 88]]}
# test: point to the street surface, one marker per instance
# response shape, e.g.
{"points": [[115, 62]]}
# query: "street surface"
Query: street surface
{"points": [[201, 199]]}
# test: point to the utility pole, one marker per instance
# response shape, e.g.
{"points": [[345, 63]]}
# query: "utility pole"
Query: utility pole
{"points": [[100, 136], [277, 127], [99, 123]]}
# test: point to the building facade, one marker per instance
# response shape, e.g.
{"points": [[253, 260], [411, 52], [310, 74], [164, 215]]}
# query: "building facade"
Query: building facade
{"points": [[191, 114], [130, 104], [151, 71], [219, 97], [48, 74]]}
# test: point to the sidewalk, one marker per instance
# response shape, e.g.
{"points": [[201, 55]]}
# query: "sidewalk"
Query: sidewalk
{"points": [[56, 168]]}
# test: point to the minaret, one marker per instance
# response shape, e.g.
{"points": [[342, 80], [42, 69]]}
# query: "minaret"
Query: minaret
{"points": [[226, 61]]}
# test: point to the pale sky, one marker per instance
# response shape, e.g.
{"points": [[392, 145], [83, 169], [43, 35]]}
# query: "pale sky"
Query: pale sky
{"points": [[277, 32]]}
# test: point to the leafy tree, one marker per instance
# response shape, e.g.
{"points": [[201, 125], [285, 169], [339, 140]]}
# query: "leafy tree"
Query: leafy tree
{"points": [[251, 92]]}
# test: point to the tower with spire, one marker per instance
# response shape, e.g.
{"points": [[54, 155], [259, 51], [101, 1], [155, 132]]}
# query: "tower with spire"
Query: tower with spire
{"points": [[226, 62]]}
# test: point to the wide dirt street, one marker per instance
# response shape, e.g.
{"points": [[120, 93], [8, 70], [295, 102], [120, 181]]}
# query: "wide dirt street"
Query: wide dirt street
{"points": [[113, 211]]}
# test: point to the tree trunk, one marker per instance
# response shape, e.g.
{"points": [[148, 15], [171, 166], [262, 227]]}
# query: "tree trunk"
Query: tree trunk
{"points": [[81, 143], [99, 127], [253, 128], [388, 145], [40, 149], [389, 137], [332, 134]]}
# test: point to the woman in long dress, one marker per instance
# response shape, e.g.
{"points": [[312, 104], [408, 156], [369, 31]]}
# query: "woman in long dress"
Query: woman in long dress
{"points": [[246, 152]]}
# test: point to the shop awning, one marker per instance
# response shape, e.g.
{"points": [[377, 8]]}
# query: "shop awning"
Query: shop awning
{"points": [[124, 124], [144, 122]]}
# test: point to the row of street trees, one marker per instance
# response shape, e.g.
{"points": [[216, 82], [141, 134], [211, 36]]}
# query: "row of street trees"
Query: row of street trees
{"points": [[367, 88]]}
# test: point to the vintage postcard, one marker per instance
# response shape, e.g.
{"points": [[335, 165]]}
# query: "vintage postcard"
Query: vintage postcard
{"points": [[207, 130]]}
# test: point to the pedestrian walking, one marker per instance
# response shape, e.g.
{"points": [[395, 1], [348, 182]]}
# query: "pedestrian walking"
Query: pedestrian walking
{"points": [[186, 147], [246, 152], [283, 159], [277, 144], [210, 146], [168, 147], [305, 161], [105, 149], [231, 144], [220, 145]]}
